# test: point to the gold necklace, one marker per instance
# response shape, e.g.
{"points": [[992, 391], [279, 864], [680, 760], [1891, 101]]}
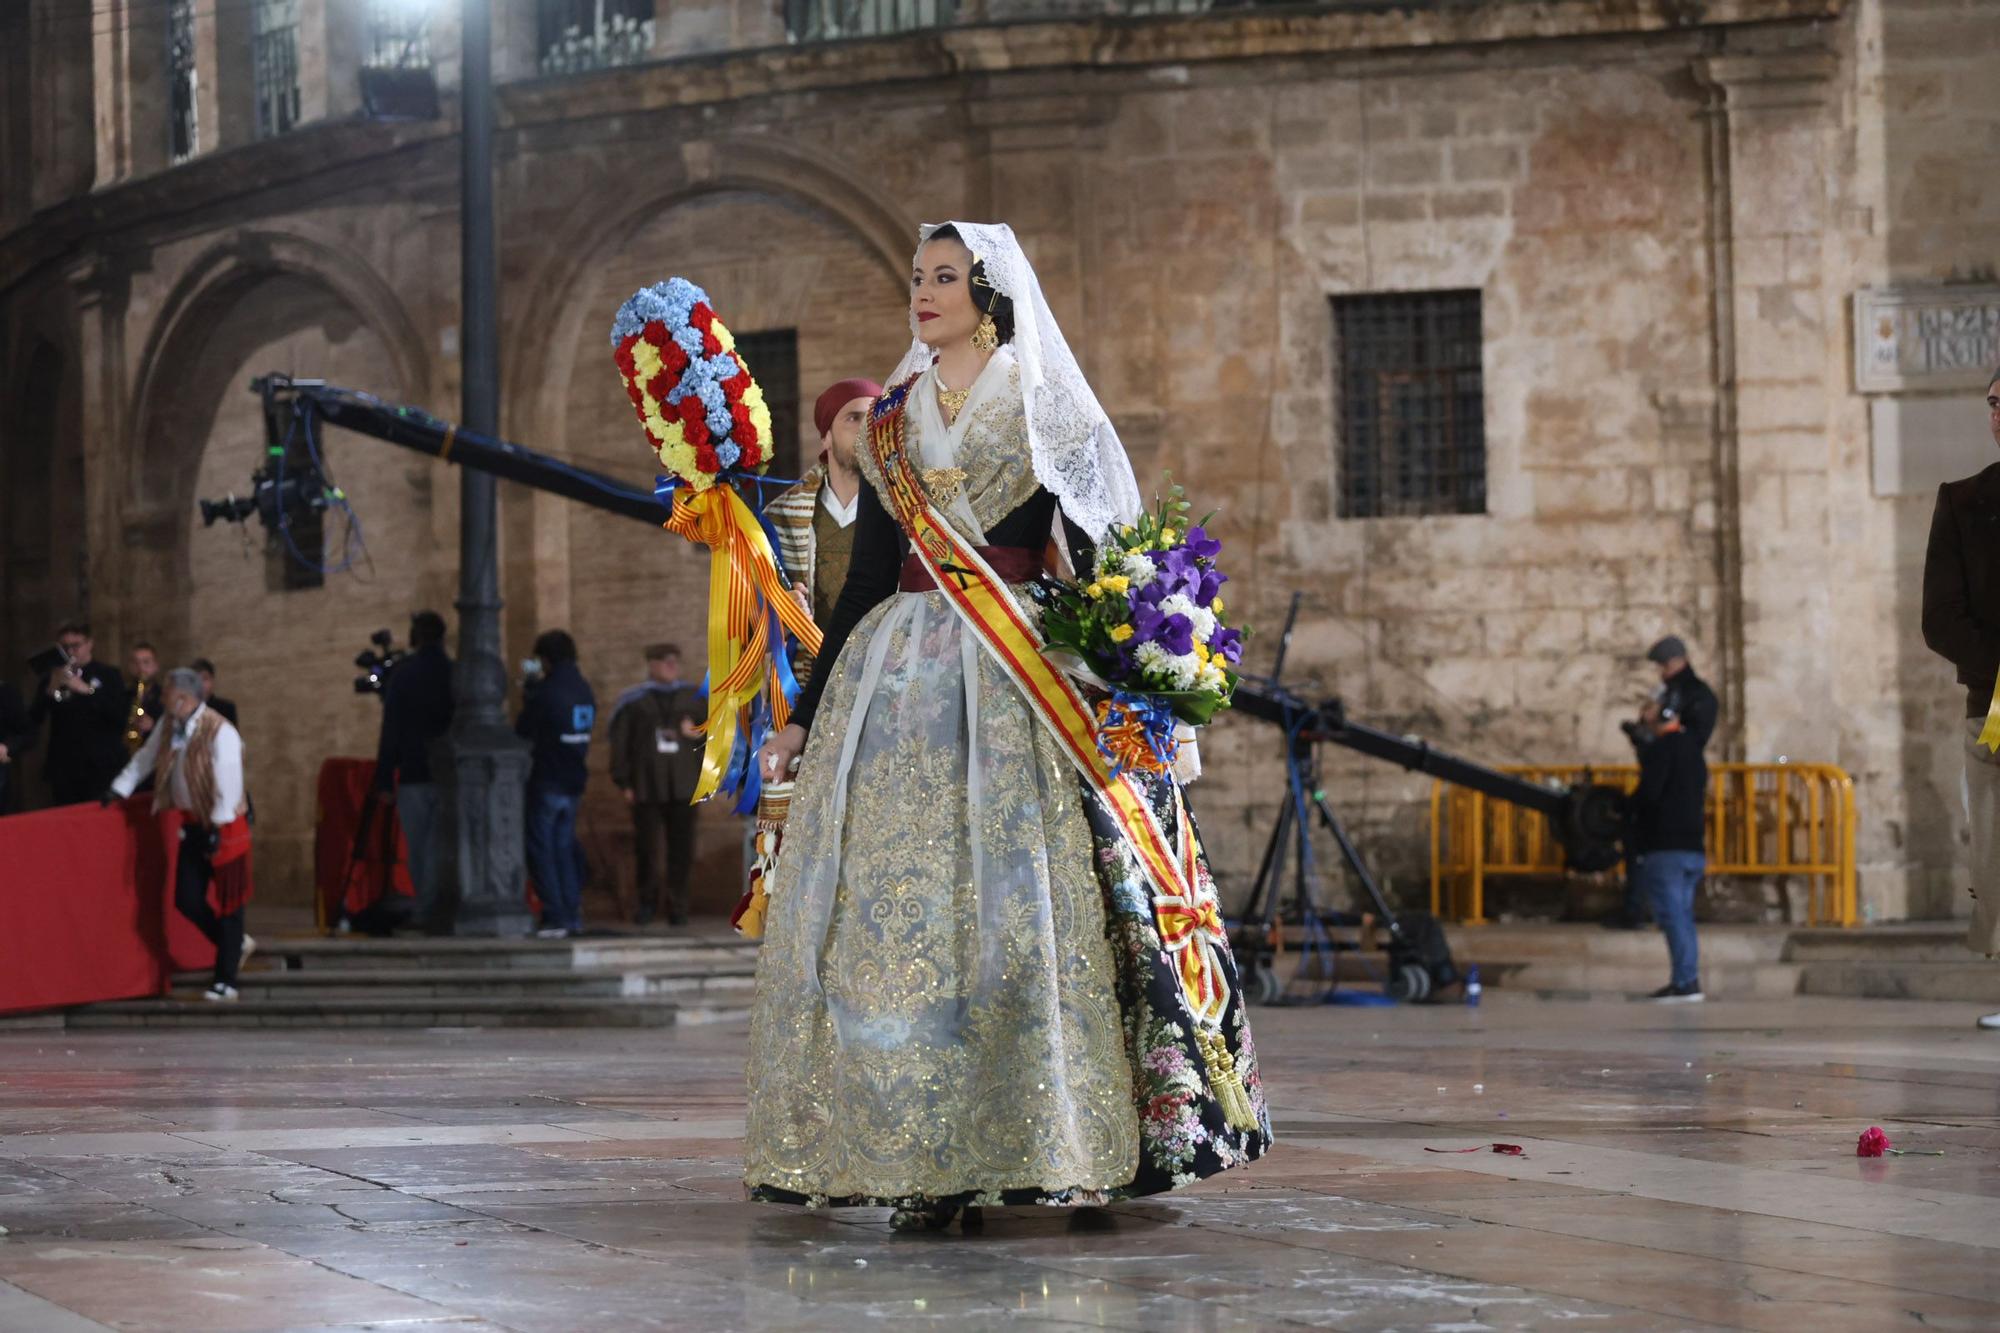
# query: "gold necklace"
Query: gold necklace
{"points": [[952, 400]]}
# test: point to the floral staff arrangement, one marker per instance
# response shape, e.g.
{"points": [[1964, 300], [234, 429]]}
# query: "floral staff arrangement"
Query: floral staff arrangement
{"points": [[1146, 624], [710, 427]]}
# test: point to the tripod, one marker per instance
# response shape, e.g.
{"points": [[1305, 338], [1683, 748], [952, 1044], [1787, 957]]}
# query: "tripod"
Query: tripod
{"points": [[1305, 726]]}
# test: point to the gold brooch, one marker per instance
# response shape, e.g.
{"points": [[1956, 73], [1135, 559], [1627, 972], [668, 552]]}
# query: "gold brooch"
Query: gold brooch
{"points": [[944, 482]]}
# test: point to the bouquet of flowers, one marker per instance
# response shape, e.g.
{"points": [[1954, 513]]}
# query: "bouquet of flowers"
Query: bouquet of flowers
{"points": [[704, 414], [1145, 625]]}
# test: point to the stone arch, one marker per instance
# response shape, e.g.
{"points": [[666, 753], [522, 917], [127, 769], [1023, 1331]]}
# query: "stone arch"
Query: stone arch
{"points": [[214, 283], [552, 321]]}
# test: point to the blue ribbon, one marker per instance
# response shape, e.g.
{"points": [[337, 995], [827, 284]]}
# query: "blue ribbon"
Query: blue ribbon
{"points": [[1156, 720]]}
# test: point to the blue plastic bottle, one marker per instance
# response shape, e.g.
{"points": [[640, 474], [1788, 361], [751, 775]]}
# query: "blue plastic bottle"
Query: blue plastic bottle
{"points": [[1472, 985]]}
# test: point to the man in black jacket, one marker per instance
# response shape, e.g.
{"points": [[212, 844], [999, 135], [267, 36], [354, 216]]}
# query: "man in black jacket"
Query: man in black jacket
{"points": [[1683, 693], [416, 710], [17, 737], [557, 717], [1962, 625], [84, 703], [1665, 859]]}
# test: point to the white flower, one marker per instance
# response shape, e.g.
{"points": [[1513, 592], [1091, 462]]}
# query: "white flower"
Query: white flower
{"points": [[1154, 658], [1139, 568], [1210, 678], [1204, 624], [1177, 605]]}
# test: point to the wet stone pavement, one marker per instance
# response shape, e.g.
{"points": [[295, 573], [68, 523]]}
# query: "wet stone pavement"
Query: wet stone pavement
{"points": [[1683, 1168]]}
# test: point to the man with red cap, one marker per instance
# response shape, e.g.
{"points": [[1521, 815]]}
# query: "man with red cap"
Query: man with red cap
{"points": [[814, 520]]}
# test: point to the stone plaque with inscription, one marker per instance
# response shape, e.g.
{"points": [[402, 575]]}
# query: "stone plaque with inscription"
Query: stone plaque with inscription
{"points": [[1925, 338]]}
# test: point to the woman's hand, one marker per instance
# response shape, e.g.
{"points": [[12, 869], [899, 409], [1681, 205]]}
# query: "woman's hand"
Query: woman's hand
{"points": [[779, 758]]}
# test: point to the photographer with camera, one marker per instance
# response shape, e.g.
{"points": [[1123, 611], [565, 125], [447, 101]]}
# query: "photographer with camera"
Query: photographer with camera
{"points": [[196, 760], [557, 717], [84, 702], [416, 710], [1665, 857]]}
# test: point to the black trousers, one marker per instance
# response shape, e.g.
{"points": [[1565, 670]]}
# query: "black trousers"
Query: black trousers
{"points": [[192, 873], [670, 823]]}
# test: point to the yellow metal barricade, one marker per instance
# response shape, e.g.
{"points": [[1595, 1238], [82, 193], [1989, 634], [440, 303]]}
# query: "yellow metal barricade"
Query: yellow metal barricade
{"points": [[1790, 820]]}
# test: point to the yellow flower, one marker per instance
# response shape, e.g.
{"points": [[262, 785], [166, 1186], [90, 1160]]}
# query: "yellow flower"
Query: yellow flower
{"points": [[1120, 633], [1216, 605], [1094, 590], [1167, 537], [1116, 582], [1201, 650], [1128, 529]]}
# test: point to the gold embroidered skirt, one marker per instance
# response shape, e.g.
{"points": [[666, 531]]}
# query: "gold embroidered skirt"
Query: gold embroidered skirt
{"points": [[936, 1012]]}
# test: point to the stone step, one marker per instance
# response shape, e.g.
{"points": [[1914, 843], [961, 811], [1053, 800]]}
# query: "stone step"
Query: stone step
{"points": [[1719, 979], [1936, 942], [393, 1011], [1522, 943], [333, 953], [1972, 982], [718, 981]]}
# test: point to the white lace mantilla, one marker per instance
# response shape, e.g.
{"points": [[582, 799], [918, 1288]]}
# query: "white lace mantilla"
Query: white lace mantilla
{"points": [[1075, 450]]}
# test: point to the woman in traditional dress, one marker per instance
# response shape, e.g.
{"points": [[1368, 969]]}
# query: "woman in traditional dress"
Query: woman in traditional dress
{"points": [[970, 991]]}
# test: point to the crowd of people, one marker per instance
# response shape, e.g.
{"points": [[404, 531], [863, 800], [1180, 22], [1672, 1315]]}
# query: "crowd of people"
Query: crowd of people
{"points": [[88, 717]]}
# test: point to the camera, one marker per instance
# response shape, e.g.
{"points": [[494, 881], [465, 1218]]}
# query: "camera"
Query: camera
{"points": [[376, 662]]}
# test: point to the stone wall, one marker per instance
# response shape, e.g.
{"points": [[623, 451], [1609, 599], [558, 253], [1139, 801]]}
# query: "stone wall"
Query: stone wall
{"points": [[1664, 226]]}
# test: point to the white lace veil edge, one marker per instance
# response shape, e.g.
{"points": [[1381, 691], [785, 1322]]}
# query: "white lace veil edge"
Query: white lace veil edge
{"points": [[1076, 451]]}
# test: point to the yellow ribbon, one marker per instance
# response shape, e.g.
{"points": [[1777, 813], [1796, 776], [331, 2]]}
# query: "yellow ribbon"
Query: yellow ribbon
{"points": [[742, 582], [1989, 735]]}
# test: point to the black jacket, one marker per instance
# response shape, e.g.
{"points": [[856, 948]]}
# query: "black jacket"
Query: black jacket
{"points": [[86, 733], [1666, 810], [1694, 704], [1962, 583], [18, 735], [558, 717], [416, 710]]}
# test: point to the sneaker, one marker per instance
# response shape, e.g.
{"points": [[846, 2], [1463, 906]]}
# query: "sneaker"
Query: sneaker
{"points": [[249, 947], [552, 933], [1991, 1022], [1688, 994], [220, 993]]}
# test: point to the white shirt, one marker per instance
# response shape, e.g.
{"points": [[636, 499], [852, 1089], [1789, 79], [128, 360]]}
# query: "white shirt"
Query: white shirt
{"points": [[228, 767], [843, 514]]}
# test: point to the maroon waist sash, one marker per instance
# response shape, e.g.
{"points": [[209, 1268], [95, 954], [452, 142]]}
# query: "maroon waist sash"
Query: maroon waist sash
{"points": [[1014, 564]]}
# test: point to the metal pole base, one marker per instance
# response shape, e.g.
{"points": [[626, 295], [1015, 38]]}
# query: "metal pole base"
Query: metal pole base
{"points": [[485, 779]]}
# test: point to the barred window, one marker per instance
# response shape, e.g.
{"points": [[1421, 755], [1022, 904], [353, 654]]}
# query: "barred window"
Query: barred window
{"points": [[275, 64], [578, 35], [183, 129], [399, 35], [1410, 403], [773, 359], [830, 20]]}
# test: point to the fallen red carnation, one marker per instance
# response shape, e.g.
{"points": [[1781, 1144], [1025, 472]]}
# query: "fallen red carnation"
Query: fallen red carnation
{"points": [[1504, 1149], [1873, 1142]]}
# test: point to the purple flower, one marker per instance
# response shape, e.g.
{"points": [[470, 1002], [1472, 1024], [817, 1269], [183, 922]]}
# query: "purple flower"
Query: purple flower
{"points": [[1176, 634], [1201, 545], [1211, 585], [1227, 644]]}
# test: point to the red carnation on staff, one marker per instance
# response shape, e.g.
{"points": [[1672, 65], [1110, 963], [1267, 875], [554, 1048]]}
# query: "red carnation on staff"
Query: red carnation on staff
{"points": [[656, 334], [745, 432], [673, 359]]}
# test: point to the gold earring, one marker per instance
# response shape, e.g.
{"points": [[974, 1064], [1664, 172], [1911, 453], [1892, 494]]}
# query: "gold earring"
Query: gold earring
{"points": [[986, 337]]}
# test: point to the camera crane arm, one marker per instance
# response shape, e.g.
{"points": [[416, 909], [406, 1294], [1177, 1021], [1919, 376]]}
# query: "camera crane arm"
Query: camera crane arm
{"points": [[414, 429]]}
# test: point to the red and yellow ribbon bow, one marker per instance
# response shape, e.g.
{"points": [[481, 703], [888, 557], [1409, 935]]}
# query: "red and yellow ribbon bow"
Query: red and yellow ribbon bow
{"points": [[743, 587]]}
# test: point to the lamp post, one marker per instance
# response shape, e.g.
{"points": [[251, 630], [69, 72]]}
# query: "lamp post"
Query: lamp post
{"points": [[486, 768]]}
